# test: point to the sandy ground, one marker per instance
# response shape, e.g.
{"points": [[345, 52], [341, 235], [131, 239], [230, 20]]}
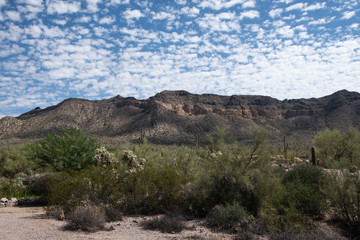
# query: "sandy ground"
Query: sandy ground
{"points": [[32, 223]]}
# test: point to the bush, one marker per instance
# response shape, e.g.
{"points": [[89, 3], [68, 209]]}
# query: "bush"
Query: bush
{"points": [[165, 224], [343, 191], [14, 188], [113, 214], [232, 217], [229, 174], [12, 162], [338, 150], [86, 218], [69, 149], [94, 185], [303, 186], [152, 185]]}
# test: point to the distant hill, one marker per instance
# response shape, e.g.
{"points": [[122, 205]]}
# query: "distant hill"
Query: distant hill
{"points": [[176, 117]]}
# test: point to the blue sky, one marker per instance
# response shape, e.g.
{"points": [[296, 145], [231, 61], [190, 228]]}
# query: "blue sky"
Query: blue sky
{"points": [[51, 50]]}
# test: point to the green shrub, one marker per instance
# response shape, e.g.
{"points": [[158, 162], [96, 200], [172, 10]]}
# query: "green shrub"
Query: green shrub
{"points": [[338, 150], [343, 192], [228, 174], [12, 162], [39, 183], [165, 224], [86, 218], [232, 217], [303, 186], [14, 188], [150, 188], [68, 149], [92, 186]]}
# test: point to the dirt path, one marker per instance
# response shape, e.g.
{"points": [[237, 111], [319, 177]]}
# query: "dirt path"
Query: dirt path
{"points": [[18, 223]]}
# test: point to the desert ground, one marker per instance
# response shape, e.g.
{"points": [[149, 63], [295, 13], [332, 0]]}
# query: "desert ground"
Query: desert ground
{"points": [[32, 223]]}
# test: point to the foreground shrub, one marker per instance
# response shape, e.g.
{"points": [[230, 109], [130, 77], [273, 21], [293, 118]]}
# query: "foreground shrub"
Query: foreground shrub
{"points": [[152, 185], [90, 186], [69, 149], [12, 162], [303, 186], [229, 174], [86, 218], [165, 224], [113, 214], [343, 192], [14, 188], [232, 217]]}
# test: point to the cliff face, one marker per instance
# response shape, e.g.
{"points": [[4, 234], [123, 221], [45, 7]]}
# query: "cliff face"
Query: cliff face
{"points": [[177, 116]]}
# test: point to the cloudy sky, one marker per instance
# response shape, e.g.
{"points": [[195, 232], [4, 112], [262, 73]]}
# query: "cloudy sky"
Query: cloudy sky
{"points": [[51, 50]]}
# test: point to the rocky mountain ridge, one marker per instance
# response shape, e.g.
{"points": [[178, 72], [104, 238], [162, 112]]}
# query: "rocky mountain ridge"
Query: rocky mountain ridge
{"points": [[178, 116]]}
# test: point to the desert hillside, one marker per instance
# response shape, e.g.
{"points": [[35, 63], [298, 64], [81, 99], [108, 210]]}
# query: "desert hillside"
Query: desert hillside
{"points": [[179, 116]]}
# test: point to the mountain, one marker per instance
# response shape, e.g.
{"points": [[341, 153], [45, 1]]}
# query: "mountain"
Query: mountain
{"points": [[178, 116]]}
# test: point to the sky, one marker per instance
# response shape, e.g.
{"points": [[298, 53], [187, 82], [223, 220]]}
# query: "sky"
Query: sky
{"points": [[51, 50]]}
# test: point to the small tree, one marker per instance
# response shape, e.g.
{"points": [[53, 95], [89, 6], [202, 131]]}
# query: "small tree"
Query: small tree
{"points": [[67, 149], [336, 149]]}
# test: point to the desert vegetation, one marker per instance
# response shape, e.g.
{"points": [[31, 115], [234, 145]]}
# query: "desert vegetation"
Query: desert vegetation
{"points": [[237, 188]]}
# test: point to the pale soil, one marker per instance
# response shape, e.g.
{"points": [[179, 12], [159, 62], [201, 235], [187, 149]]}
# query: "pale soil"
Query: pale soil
{"points": [[18, 223]]}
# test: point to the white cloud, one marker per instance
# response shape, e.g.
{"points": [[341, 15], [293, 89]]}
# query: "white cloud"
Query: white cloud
{"points": [[219, 4], [13, 15], [304, 7], [285, 31], [92, 5], [131, 14], [191, 12], [296, 6], [60, 21], [315, 6], [35, 31], [249, 14], [120, 2], [285, 1], [274, 13], [278, 23], [164, 15], [60, 7], [223, 22], [10, 50], [180, 2], [2, 3], [37, 3], [107, 20], [249, 4], [226, 15], [83, 19], [318, 22], [348, 15], [354, 26]]}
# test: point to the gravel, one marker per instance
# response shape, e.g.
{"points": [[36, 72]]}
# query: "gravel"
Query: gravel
{"points": [[32, 223]]}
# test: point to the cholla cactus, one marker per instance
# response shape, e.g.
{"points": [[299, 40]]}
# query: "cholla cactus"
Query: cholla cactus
{"points": [[103, 157], [131, 159], [216, 155]]}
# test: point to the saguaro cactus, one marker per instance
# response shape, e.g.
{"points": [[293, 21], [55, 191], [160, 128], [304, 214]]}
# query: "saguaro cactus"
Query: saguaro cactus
{"points": [[313, 156], [197, 141], [286, 146], [142, 137]]}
